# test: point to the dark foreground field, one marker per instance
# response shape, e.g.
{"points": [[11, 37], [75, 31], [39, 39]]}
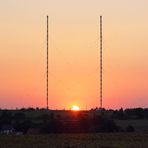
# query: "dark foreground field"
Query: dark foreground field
{"points": [[107, 140]]}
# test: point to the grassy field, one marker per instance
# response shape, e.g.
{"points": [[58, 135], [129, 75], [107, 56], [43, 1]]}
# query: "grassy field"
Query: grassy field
{"points": [[139, 125], [107, 140]]}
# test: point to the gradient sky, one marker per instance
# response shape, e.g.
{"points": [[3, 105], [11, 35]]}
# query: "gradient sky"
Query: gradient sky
{"points": [[74, 53]]}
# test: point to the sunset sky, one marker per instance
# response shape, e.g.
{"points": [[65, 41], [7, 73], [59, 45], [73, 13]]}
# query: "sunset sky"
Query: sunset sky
{"points": [[73, 53]]}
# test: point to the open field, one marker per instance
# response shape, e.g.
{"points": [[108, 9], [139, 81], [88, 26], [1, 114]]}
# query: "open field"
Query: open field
{"points": [[102, 140], [139, 125]]}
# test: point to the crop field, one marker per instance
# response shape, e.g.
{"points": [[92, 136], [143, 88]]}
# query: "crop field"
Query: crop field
{"points": [[102, 140]]}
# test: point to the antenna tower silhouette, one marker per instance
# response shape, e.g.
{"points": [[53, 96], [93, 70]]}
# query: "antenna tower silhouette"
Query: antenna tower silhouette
{"points": [[47, 67], [101, 64]]}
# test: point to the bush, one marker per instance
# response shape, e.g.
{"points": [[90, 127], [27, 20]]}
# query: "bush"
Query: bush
{"points": [[130, 128]]}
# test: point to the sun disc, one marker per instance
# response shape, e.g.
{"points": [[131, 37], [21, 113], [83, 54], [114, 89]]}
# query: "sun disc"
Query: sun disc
{"points": [[75, 108]]}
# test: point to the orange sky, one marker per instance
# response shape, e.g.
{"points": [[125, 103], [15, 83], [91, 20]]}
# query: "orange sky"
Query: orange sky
{"points": [[74, 53]]}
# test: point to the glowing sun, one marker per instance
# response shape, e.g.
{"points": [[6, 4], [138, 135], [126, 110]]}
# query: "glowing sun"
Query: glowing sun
{"points": [[75, 108]]}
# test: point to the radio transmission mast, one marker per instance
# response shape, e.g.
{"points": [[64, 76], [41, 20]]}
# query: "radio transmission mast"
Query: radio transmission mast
{"points": [[47, 68], [101, 64]]}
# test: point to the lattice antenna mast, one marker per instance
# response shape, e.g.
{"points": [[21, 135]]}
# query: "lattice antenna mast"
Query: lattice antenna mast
{"points": [[101, 64], [47, 67]]}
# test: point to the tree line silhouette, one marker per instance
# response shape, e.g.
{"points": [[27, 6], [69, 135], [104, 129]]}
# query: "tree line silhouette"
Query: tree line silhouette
{"points": [[92, 121]]}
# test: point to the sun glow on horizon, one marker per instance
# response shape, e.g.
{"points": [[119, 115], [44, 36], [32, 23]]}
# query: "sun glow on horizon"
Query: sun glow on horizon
{"points": [[75, 108]]}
